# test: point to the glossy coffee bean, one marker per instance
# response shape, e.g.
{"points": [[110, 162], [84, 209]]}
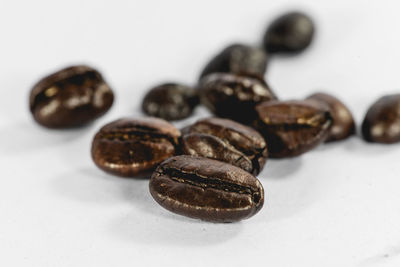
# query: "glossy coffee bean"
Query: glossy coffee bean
{"points": [[170, 101], [343, 123], [290, 33], [238, 59], [292, 128], [228, 141], [232, 96], [131, 147], [382, 121], [70, 97], [206, 189]]}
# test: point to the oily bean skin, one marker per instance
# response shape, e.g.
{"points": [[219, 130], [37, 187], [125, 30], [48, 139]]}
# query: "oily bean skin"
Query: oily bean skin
{"points": [[206, 189], [131, 147], [382, 121], [238, 59], [170, 101], [292, 128], [234, 97], [209, 146], [290, 33], [70, 97], [343, 122], [227, 141]]}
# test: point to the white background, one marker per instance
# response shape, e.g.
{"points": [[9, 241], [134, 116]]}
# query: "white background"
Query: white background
{"points": [[338, 205]]}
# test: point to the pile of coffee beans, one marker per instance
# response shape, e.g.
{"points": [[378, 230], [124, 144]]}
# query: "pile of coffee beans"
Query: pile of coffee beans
{"points": [[207, 170]]}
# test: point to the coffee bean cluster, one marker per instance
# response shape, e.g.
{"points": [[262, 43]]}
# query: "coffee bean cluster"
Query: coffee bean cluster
{"points": [[207, 170]]}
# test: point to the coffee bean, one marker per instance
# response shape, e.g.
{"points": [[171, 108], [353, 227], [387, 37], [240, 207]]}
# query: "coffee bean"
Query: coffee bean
{"points": [[206, 189], [238, 59], [70, 97], [343, 123], [170, 101], [131, 147], [290, 33], [228, 141], [234, 97], [291, 128], [382, 121]]}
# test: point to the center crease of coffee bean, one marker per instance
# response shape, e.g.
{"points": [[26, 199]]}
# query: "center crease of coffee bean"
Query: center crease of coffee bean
{"points": [[136, 137], [207, 182]]}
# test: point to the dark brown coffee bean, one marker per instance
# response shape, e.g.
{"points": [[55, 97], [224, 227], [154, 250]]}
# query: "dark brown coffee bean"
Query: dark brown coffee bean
{"points": [[130, 147], [343, 123], [291, 128], [206, 189], [382, 121], [290, 33], [70, 97], [170, 101], [234, 97], [227, 141], [239, 59]]}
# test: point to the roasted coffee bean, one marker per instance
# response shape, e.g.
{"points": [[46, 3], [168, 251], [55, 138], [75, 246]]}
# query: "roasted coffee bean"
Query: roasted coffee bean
{"points": [[290, 33], [206, 189], [170, 101], [291, 128], [70, 97], [228, 141], [239, 59], [234, 97], [131, 147], [343, 123], [382, 121]]}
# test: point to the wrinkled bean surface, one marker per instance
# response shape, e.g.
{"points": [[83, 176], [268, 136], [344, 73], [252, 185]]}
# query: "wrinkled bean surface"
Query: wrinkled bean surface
{"points": [[131, 147], [206, 189], [170, 101], [292, 128], [227, 141], [343, 122], [234, 97], [70, 97]]}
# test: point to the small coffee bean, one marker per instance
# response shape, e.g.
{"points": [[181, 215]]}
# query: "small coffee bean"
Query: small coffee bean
{"points": [[170, 101], [70, 97], [292, 128], [238, 59], [206, 189], [343, 123], [228, 141], [234, 97], [290, 33], [382, 121], [131, 147]]}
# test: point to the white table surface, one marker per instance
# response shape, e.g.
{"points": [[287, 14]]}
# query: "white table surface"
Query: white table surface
{"points": [[338, 205]]}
